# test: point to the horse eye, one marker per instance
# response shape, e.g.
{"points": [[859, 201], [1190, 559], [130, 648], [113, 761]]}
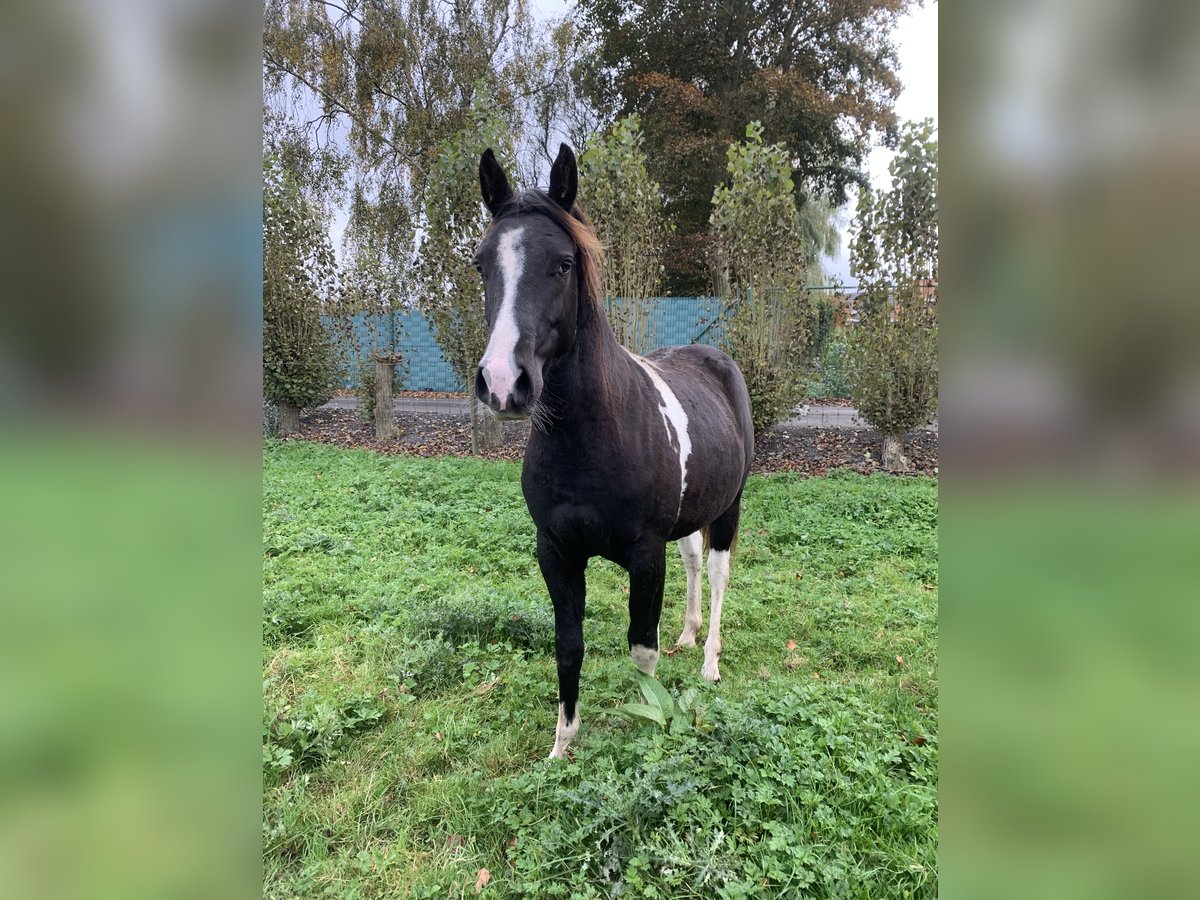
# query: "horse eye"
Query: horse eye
{"points": [[565, 266]]}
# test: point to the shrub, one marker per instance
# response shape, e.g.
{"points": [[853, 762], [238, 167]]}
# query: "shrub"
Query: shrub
{"points": [[893, 364], [625, 206], [300, 365], [824, 321], [831, 381], [765, 253], [766, 335]]}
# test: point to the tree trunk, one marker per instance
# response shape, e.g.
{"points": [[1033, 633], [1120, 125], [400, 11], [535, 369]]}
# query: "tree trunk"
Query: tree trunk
{"points": [[386, 428], [289, 419], [487, 432], [491, 432], [893, 453]]}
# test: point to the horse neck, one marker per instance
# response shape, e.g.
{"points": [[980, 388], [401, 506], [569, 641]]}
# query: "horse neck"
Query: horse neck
{"points": [[592, 375]]}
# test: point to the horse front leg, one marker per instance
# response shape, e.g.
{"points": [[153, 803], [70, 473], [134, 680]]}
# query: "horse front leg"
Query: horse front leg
{"points": [[564, 575], [647, 569]]}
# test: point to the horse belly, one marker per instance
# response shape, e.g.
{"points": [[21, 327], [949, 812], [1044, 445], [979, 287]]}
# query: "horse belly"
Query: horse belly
{"points": [[713, 484]]}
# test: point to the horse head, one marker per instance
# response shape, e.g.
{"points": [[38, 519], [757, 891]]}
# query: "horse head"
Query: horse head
{"points": [[533, 268]]}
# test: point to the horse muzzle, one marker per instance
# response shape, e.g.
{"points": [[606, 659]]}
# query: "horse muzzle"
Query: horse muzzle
{"points": [[508, 392]]}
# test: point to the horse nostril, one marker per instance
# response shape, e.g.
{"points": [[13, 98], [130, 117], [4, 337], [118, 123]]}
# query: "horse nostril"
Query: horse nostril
{"points": [[522, 390], [481, 386]]}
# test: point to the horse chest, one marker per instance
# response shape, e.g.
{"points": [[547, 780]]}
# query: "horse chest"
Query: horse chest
{"points": [[600, 503]]}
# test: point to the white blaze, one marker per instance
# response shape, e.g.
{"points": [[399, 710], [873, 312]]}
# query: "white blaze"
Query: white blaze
{"points": [[672, 412], [499, 362]]}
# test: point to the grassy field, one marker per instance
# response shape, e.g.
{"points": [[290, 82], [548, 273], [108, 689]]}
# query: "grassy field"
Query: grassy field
{"points": [[410, 696]]}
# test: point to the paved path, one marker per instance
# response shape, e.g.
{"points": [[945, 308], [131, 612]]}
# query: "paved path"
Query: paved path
{"points": [[814, 415]]}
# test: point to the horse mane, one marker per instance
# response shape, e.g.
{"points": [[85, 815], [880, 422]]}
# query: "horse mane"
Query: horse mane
{"points": [[578, 228]]}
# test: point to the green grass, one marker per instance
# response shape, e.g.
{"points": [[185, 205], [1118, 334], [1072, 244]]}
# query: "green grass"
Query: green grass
{"points": [[410, 696]]}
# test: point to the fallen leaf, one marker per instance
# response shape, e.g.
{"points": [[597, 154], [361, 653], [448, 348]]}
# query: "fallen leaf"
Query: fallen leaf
{"points": [[899, 660], [919, 740], [484, 686], [791, 645], [481, 879], [437, 735]]}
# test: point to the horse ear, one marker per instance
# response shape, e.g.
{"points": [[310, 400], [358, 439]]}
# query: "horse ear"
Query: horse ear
{"points": [[493, 184], [564, 178]]}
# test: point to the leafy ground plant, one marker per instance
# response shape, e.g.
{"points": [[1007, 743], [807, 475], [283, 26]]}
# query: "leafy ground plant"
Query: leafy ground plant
{"points": [[409, 696]]}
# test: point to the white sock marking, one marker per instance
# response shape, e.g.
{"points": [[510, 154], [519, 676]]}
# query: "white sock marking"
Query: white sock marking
{"points": [[718, 579], [564, 732], [645, 658], [499, 360], [691, 548], [672, 415]]}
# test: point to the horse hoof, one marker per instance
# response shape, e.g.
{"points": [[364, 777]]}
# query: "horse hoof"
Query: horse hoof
{"points": [[686, 640], [711, 673]]}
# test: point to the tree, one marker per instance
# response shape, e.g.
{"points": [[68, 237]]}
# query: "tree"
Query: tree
{"points": [[367, 92], [893, 366], [365, 97], [820, 77], [374, 287], [455, 219], [764, 255], [625, 206], [300, 364]]}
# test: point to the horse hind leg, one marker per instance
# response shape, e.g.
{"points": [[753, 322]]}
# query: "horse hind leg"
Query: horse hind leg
{"points": [[692, 550], [722, 539]]}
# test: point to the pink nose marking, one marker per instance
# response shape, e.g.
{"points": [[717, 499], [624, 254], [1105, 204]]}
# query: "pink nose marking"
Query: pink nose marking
{"points": [[499, 379]]}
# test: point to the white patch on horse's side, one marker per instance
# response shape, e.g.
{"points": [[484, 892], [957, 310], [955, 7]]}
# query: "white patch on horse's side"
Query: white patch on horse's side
{"points": [[691, 548], [672, 415], [564, 732], [645, 658], [499, 362], [718, 579]]}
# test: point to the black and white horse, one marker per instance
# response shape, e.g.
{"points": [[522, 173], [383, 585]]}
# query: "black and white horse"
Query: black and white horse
{"points": [[625, 453]]}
